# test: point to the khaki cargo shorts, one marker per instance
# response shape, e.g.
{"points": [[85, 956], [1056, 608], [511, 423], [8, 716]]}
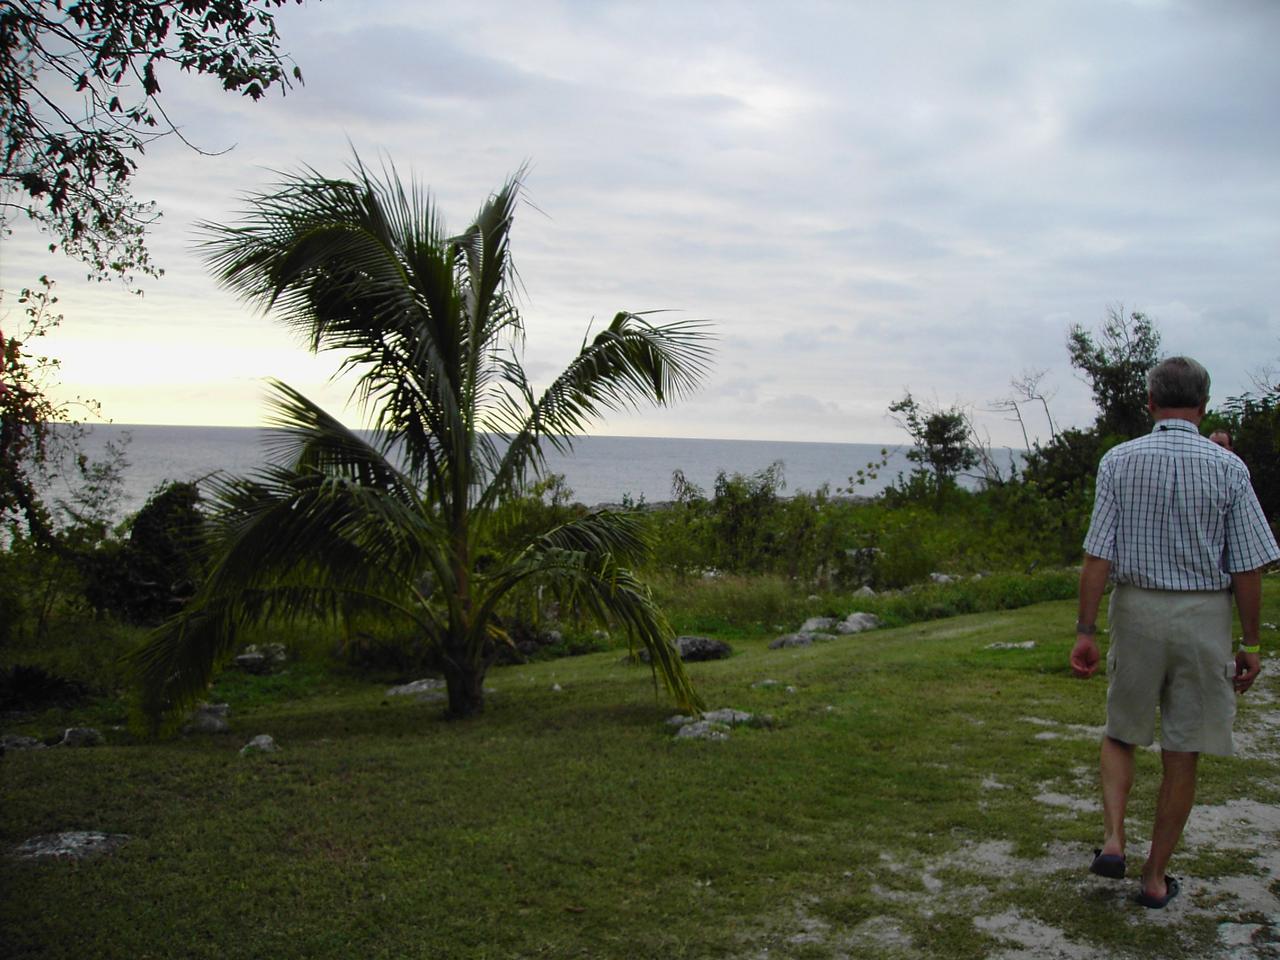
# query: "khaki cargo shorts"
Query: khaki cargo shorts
{"points": [[1171, 649]]}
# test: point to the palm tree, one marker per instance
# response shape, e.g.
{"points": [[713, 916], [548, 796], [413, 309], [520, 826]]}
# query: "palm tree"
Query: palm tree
{"points": [[347, 526]]}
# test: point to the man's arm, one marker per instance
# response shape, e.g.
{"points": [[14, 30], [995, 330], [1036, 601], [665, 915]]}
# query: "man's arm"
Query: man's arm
{"points": [[1085, 658], [1247, 588]]}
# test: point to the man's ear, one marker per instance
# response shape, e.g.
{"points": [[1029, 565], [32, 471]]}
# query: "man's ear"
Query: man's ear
{"points": [[1151, 404]]}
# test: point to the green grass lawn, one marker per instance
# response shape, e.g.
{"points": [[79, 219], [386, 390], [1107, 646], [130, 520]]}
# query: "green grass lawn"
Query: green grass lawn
{"points": [[918, 794]]}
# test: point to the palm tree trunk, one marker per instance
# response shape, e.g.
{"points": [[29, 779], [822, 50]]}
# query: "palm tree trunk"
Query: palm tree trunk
{"points": [[465, 683]]}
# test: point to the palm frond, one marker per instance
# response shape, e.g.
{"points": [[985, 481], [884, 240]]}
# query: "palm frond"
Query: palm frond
{"points": [[305, 437], [270, 525], [602, 533], [340, 262], [486, 250], [630, 362], [612, 595]]}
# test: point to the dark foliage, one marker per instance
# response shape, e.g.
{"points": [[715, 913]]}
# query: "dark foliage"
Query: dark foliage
{"points": [[31, 688], [148, 577], [941, 443], [1066, 464], [1115, 367], [1254, 422], [26, 413]]}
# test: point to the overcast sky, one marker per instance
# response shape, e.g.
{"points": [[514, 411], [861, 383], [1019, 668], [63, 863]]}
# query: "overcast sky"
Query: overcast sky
{"points": [[863, 197]]}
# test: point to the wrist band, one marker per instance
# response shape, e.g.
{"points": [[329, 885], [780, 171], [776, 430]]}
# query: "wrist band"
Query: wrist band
{"points": [[1247, 649], [1088, 629]]}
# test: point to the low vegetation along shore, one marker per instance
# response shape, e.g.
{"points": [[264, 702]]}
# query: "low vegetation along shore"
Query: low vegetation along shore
{"points": [[926, 789]]}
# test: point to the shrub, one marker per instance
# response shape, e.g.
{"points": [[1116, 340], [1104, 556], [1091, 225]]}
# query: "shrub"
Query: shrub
{"points": [[24, 687], [148, 576]]}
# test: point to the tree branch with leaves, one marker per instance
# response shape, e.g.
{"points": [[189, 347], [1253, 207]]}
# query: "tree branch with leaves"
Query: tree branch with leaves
{"points": [[80, 102]]}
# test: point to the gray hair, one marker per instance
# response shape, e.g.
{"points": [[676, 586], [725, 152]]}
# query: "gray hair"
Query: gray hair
{"points": [[1177, 382]]}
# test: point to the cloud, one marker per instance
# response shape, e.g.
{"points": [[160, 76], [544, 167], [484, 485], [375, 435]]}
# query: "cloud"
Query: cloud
{"points": [[864, 197]]}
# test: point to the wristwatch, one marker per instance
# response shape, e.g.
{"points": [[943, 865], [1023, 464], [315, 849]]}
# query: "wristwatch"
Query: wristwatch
{"points": [[1088, 629]]}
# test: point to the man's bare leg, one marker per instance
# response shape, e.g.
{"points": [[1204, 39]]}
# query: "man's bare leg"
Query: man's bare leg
{"points": [[1116, 766], [1177, 795]]}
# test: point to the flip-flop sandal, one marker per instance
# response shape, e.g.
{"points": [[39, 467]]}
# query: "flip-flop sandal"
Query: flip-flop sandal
{"points": [[1159, 903], [1109, 865]]}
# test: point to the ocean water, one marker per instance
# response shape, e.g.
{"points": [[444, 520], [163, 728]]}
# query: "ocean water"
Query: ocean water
{"points": [[600, 470]]}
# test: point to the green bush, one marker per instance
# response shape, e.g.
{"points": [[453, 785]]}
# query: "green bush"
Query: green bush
{"points": [[146, 577], [825, 542]]}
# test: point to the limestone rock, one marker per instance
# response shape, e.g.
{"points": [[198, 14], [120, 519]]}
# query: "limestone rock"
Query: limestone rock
{"points": [[262, 743], [261, 659], [702, 648], [792, 640], [941, 578], [727, 716], [818, 625], [69, 845], [209, 718], [692, 649], [857, 622], [16, 741], [81, 737], [703, 730], [426, 685], [864, 591], [1024, 645]]}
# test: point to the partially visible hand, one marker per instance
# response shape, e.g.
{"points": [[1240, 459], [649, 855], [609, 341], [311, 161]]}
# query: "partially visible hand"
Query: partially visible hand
{"points": [[1248, 666], [1084, 656]]}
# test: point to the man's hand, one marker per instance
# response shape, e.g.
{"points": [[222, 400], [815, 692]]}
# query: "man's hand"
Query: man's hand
{"points": [[1084, 656], [1248, 666]]}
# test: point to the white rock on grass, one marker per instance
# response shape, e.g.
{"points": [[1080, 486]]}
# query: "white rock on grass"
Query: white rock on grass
{"points": [[69, 845], [703, 730], [792, 640], [16, 741], [1024, 645], [209, 718], [81, 737], [712, 725], [261, 659], [262, 743], [857, 622], [727, 715], [417, 686], [818, 625]]}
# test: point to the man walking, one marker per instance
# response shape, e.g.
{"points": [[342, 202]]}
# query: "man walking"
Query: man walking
{"points": [[1177, 528]]}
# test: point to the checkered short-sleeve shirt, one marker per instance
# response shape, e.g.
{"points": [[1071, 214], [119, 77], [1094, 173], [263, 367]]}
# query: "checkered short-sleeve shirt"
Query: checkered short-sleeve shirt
{"points": [[1173, 511]]}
